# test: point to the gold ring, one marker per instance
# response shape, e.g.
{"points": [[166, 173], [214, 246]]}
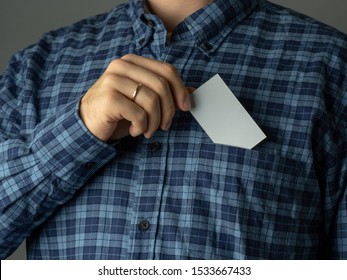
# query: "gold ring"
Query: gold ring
{"points": [[139, 86]]}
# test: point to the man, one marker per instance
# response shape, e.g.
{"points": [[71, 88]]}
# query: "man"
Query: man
{"points": [[101, 158]]}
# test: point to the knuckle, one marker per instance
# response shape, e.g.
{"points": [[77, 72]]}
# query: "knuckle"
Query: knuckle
{"points": [[109, 78], [109, 83], [108, 98], [161, 85], [141, 116], [169, 69], [127, 57], [116, 64], [152, 99]]}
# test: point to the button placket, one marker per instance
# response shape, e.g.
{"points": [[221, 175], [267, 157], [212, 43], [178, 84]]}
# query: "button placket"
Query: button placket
{"points": [[147, 192]]}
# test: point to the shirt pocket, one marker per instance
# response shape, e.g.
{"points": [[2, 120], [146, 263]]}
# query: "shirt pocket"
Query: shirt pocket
{"points": [[244, 204]]}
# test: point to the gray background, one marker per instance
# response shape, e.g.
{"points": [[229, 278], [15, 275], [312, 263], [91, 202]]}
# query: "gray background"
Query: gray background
{"points": [[22, 23]]}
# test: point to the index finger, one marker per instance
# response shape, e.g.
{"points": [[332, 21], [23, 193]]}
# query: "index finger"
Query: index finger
{"points": [[169, 73]]}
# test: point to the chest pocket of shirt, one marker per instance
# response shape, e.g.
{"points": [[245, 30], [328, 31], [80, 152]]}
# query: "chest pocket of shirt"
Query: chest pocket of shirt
{"points": [[244, 204]]}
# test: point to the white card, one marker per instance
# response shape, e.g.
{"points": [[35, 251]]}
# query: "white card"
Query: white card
{"points": [[223, 117]]}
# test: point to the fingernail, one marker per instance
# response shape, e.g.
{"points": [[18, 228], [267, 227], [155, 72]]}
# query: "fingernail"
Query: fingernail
{"points": [[149, 135], [187, 104], [167, 126], [191, 89]]}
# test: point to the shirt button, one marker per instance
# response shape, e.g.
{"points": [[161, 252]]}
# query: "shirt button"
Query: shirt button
{"points": [[208, 46], [142, 41], [155, 147], [151, 23], [144, 225]]}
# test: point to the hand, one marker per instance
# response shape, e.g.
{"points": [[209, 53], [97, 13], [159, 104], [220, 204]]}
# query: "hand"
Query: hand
{"points": [[109, 110]]}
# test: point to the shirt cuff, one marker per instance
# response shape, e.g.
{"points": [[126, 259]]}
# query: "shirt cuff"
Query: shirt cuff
{"points": [[67, 149]]}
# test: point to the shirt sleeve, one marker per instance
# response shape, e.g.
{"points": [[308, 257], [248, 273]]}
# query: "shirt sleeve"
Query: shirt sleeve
{"points": [[42, 163], [330, 152]]}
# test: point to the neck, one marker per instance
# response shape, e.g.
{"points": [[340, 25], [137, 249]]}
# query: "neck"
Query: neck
{"points": [[173, 12]]}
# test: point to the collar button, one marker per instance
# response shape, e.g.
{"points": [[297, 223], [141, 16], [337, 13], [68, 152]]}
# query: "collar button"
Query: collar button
{"points": [[208, 46], [90, 165], [151, 23]]}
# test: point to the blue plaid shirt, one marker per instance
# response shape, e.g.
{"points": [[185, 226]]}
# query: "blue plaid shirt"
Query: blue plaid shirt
{"points": [[178, 195]]}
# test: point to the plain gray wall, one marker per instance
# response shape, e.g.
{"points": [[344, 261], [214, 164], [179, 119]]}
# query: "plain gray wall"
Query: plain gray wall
{"points": [[22, 23]]}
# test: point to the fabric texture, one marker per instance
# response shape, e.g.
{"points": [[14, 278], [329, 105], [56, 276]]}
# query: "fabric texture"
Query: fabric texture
{"points": [[178, 195]]}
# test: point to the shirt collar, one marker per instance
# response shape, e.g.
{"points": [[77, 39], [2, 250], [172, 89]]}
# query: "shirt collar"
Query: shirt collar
{"points": [[207, 27]]}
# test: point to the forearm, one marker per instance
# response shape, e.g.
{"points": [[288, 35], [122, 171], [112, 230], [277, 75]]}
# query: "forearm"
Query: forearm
{"points": [[39, 175]]}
